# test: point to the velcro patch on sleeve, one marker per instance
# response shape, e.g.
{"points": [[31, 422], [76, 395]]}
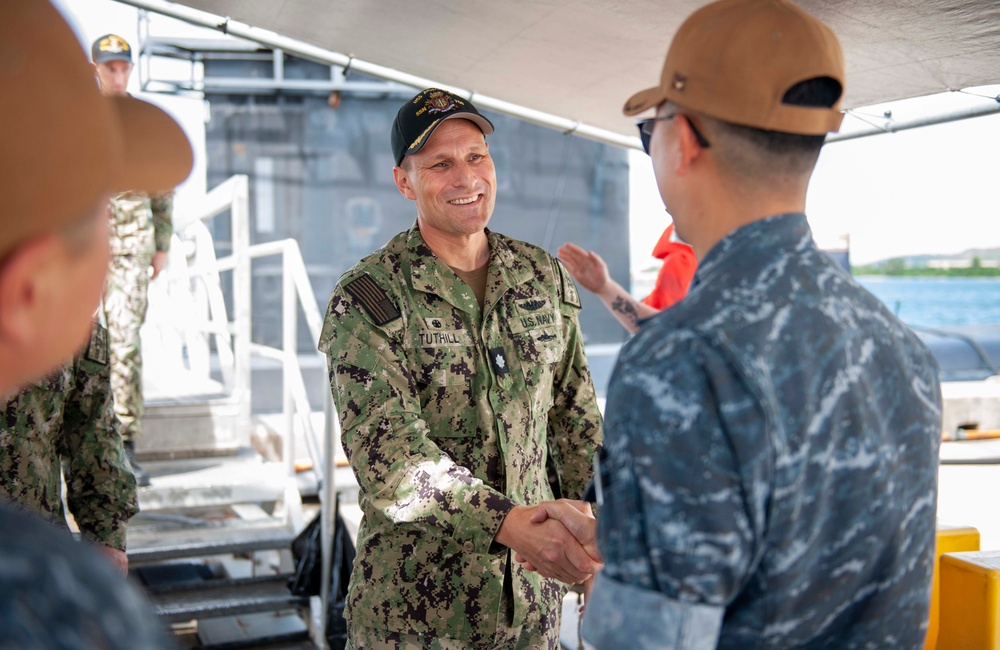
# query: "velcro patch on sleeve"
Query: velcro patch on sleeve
{"points": [[570, 296], [373, 298], [97, 349]]}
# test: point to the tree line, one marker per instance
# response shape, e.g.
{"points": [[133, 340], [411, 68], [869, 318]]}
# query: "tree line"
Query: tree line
{"points": [[899, 267]]}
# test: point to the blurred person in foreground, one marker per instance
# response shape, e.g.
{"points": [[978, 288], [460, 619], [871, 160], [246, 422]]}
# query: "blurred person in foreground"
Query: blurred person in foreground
{"points": [[141, 228], [672, 280], [63, 149], [769, 475]]}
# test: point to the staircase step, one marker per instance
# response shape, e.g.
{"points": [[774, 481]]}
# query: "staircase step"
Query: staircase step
{"points": [[160, 497], [283, 631], [189, 587], [285, 641], [213, 599], [171, 545], [200, 482], [177, 426]]}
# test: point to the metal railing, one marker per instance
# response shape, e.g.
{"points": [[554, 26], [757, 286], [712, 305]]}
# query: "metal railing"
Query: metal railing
{"points": [[233, 337], [296, 291], [233, 334]]}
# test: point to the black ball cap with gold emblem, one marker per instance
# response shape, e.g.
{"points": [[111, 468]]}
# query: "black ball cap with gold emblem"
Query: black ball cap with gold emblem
{"points": [[417, 119], [110, 47]]}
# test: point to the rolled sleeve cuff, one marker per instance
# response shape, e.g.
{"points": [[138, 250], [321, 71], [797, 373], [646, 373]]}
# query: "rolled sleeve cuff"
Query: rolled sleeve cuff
{"points": [[620, 615], [162, 241], [111, 534]]}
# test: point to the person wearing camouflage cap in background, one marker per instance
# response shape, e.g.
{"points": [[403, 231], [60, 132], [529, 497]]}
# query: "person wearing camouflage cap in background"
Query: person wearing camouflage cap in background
{"points": [[69, 417], [63, 150], [457, 364], [141, 228]]}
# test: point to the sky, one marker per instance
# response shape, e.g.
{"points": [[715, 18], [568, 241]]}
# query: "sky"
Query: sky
{"points": [[931, 190]]}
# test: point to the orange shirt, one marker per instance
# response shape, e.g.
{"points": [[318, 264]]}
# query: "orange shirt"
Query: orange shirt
{"points": [[674, 278]]}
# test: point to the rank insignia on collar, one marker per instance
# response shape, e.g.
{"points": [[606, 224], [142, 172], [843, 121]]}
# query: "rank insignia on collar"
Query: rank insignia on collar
{"points": [[434, 322], [499, 361]]}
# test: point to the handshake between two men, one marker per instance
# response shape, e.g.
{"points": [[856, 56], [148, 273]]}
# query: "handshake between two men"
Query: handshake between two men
{"points": [[558, 539]]}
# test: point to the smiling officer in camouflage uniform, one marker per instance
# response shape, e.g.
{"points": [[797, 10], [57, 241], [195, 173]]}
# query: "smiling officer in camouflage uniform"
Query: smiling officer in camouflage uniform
{"points": [[69, 416], [457, 364], [141, 228]]}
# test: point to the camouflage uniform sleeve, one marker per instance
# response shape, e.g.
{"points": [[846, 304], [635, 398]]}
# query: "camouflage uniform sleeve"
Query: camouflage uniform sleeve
{"points": [[101, 490], [575, 424], [404, 477], [162, 207]]}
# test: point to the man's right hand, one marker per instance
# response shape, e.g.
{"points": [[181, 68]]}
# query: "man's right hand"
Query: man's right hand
{"points": [[547, 545], [577, 517], [586, 267]]}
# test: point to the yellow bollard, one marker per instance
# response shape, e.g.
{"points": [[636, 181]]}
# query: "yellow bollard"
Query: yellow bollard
{"points": [[950, 539], [970, 601]]}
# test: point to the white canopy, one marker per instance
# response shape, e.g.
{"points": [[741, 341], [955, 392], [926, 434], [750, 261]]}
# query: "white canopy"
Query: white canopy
{"points": [[580, 59]]}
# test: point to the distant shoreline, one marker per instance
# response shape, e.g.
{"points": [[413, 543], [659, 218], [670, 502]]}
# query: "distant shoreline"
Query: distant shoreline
{"points": [[970, 272]]}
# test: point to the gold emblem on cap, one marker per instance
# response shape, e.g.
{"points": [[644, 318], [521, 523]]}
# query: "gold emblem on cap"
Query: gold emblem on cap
{"points": [[113, 44], [420, 138], [679, 81], [440, 102]]}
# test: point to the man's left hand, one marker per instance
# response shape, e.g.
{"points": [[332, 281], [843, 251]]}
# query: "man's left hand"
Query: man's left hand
{"points": [[116, 557], [158, 262]]}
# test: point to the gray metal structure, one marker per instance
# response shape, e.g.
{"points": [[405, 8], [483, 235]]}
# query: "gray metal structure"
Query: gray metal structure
{"points": [[314, 144]]}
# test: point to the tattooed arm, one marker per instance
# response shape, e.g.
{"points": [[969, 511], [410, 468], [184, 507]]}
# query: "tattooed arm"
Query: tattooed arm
{"points": [[591, 272]]}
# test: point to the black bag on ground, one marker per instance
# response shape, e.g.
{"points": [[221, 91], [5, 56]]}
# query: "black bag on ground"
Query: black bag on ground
{"points": [[307, 551]]}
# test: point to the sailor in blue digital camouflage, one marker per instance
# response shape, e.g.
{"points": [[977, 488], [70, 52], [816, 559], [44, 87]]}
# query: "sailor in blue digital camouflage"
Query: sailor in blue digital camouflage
{"points": [[141, 228], [57, 593], [457, 364], [69, 418], [770, 465]]}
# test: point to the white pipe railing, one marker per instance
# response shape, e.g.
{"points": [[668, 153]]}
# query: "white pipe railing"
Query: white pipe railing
{"points": [[233, 194], [297, 290], [890, 125]]}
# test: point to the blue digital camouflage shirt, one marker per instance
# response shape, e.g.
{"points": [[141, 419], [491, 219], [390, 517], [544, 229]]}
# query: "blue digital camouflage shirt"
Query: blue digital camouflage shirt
{"points": [[770, 468], [58, 593]]}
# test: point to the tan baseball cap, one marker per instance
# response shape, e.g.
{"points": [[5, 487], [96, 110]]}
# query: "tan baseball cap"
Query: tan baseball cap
{"points": [[63, 145], [734, 60]]}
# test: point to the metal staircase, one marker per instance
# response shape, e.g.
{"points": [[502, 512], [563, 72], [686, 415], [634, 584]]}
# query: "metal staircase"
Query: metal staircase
{"points": [[211, 548], [211, 545]]}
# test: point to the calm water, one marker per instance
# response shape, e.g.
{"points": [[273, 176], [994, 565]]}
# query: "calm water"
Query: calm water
{"points": [[931, 302], [923, 302]]}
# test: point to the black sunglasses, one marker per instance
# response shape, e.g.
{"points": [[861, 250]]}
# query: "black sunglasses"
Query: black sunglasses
{"points": [[645, 127]]}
